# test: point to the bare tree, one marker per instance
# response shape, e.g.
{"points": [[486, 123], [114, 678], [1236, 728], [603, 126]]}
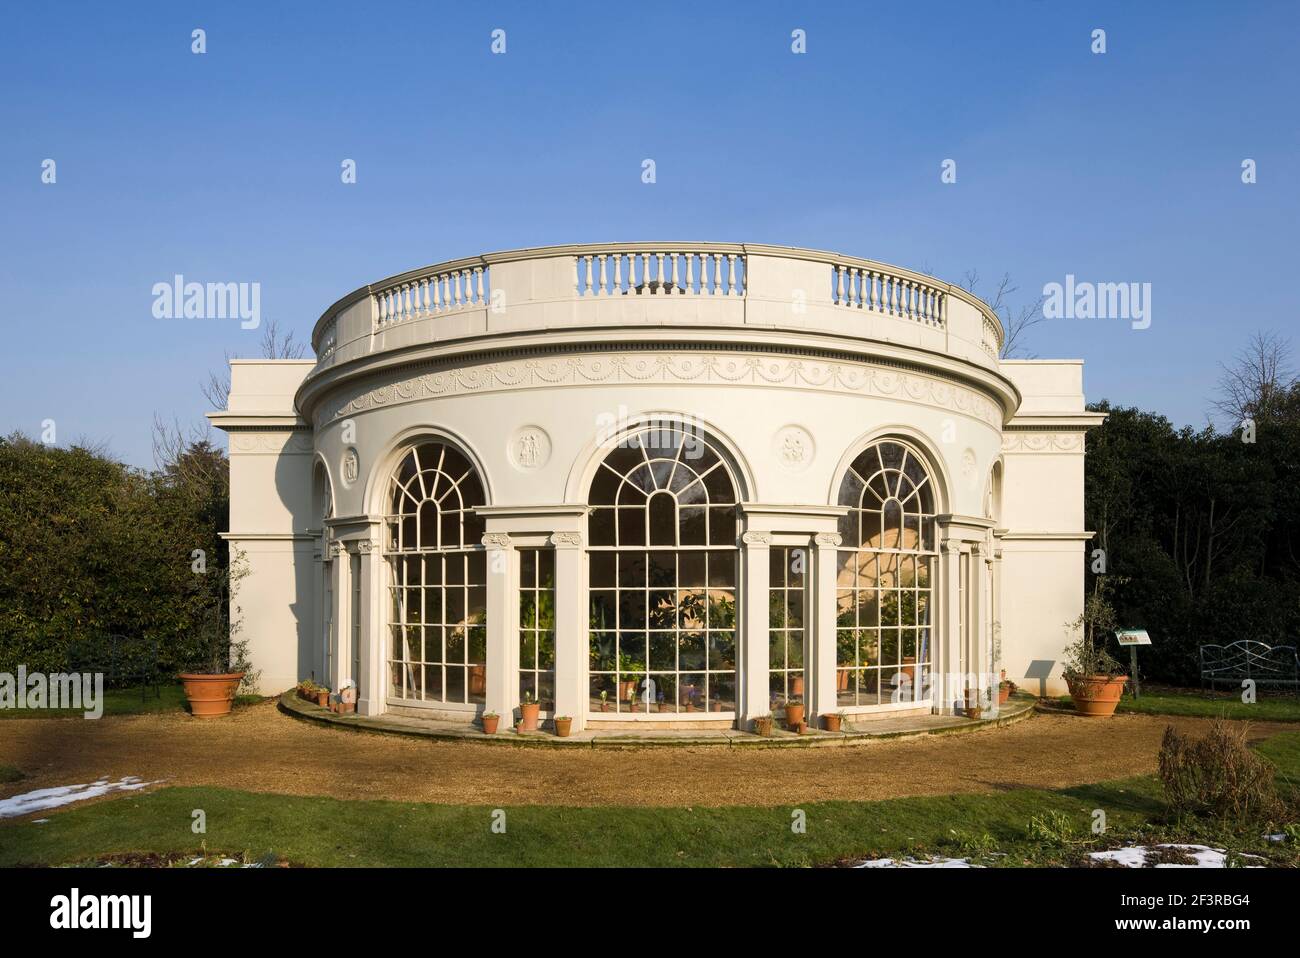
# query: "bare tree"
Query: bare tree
{"points": [[1258, 381], [1015, 321], [273, 345]]}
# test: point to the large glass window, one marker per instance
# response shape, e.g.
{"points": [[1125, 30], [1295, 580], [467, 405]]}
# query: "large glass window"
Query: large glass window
{"points": [[786, 630], [537, 627], [663, 564], [437, 579], [884, 595]]}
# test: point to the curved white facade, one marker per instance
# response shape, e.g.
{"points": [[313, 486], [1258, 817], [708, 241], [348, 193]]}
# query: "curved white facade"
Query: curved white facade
{"points": [[750, 381]]}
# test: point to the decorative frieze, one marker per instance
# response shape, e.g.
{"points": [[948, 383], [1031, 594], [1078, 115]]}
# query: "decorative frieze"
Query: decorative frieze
{"points": [[1013, 441], [713, 368]]}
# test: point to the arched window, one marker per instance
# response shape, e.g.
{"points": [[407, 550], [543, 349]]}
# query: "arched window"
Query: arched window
{"points": [[884, 591], [663, 557], [437, 579]]}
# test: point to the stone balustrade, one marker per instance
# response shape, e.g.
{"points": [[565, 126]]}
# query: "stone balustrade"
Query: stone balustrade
{"points": [[689, 285]]}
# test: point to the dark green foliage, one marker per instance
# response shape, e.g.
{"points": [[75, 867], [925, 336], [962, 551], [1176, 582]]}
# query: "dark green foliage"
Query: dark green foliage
{"points": [[90, 547], [1201, 532]]}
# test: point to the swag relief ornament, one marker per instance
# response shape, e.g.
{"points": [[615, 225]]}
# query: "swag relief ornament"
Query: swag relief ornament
{"points": [[718, 368]]}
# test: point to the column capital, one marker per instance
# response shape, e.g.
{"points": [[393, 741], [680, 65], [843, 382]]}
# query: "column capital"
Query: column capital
{"points": [[757, 538], [366, 546], [496, 540], [335, 549], [566, 540], [829, 539]]}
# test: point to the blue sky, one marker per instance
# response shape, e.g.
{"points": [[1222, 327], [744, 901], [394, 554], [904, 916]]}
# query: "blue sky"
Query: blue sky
{"points": [[224, 167]]}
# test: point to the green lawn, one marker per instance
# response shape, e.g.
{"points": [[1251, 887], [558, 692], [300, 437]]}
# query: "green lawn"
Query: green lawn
{"points": [[330, 832], [9, 774], [170, 698], [1270, 707]]}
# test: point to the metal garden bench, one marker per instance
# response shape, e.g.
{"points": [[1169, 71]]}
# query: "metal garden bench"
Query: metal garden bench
{"points": [[124, 660], [1249, 659]]}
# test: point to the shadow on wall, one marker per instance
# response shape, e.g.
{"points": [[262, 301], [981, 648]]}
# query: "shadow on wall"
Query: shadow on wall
{"points": [[1040, 669], [293, 475]]}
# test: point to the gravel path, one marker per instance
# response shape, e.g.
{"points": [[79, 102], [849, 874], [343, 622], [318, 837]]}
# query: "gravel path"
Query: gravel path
{"points": [[260, 749]]}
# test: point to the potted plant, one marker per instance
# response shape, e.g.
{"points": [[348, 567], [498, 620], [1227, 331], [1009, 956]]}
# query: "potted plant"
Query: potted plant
{"points": [[307, 690], [491, 720], [220, 658], [717, 704], [323, 696], [563, 724], [528, 710], [1005, 688], [604, 700], [796, 686], [834, 722], [793, 713], [763, 725], [1095, 678]]}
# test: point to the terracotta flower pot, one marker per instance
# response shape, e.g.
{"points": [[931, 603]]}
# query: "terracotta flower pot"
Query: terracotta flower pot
{"points": [[1097, 695], [323, 699], [528, 717], [793, 715], [563, 726], [974, 713], [210, 696], [625, 690], [841, 681], [796, 686], [477, 679], [717, 706], [763, 726], [490, 724], [832, 722], [1004, 693]]}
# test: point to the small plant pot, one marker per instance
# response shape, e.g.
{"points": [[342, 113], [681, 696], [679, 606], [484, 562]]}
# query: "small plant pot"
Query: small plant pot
{"points": [[210, 696], [796, 686], [717, 707], [800, 729], [477, 679], [625, 690], [528, 716], [1004, 693], [974, 714], [690, 706], [347, 708], [490, 724], [1097, 696], [323, 699], [793, 715], [604, 706], [832, 722], [763, 726], [563, 726]]}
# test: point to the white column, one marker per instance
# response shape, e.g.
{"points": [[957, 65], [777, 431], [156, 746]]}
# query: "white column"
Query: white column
{"points": [[371, 692], [502, 694], [571, 683], [822, 699], [339, 586], [947, 687], [977, 655], [754, 700]]}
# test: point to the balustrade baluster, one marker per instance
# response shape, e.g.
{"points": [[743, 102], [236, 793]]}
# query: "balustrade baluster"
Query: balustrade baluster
{"points": [[690, 272], [603, 291]]}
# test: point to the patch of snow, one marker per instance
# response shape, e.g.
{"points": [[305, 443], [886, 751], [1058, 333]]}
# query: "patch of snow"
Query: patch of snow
{"points": [[39, 821], [1135, 856], [1279, 837], [935, 861], [46, 798]]}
